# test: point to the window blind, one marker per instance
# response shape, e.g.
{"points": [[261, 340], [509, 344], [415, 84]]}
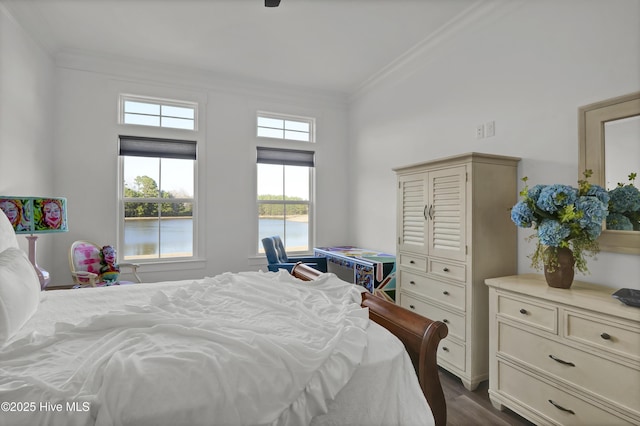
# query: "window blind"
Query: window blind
{"points": [[139, 146], [287, 157]]}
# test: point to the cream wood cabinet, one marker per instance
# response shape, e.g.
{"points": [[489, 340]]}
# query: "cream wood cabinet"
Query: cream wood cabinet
{"points": [[454, 230], [563, 357]]}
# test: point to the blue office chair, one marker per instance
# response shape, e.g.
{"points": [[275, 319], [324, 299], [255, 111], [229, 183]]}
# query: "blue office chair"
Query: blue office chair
{"points": [[278, 259]]}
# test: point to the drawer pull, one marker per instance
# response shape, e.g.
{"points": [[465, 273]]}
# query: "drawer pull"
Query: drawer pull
{"points": [[446, 321], [412, 306], [412, 282], [412, 262], [605, 336], [445, 269], [446, 293], [562, 361], [446, 349], [523, 311], [560, 407]]}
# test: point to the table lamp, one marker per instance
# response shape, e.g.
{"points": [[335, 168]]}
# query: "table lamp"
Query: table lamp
{"points": [[36, 215]]}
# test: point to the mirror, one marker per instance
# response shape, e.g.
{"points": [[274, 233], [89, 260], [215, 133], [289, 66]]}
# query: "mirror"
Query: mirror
{"points": [[621, 150], [609, 137]]}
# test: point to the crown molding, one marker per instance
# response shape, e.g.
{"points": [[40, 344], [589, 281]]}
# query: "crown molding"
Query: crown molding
{"points": [[165, 73], [121, 67], [33, 24], [474, 15]]}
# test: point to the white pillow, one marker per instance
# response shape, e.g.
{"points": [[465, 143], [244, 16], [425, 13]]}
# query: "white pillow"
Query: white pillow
{"points": [[7, 234], [19, 292]]}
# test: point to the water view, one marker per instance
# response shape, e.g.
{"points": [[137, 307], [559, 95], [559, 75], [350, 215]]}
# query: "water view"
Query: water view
{"points": [[142, 237], [297, 233]]}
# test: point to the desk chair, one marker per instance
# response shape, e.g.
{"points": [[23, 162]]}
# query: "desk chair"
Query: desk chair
{"points": [[278, 259]]}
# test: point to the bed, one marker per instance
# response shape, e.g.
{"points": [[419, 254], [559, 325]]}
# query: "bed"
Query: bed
{"points": [[245, 348]]}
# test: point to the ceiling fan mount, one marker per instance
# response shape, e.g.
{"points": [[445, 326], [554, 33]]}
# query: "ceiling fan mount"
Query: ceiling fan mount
{"points": [[271, 3]]}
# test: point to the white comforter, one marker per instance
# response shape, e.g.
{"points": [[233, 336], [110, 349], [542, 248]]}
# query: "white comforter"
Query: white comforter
{"points": [[251, 348]]}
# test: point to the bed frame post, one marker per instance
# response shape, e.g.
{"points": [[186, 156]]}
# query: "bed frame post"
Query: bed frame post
{"points": [[420, 336]]}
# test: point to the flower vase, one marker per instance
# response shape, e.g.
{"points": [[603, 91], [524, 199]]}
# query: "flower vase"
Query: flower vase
{"points": [[559, 274]]}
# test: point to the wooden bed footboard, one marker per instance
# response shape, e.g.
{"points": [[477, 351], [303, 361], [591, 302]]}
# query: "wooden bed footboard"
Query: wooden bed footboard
{"points": [[420, 336]]}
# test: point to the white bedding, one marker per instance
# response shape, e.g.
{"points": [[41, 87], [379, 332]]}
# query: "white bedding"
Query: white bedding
{"points": [[248, 348]]}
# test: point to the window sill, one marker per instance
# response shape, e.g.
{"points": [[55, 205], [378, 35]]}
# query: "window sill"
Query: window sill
{"points": [[168, 265]]}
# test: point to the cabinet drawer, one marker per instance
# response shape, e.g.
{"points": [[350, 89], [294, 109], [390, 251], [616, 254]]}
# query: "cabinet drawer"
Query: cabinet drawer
{"points": [[448, 294], [618, 383], [453, 353], [412, 261], [449, 270], [535, 314], [455, 322], [536, 395], [602, 333]]}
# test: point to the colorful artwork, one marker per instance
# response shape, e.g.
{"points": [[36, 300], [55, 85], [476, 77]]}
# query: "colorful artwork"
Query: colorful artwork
{"points": [[18, 211], [34, 215], [48, 213], [372, 270]]}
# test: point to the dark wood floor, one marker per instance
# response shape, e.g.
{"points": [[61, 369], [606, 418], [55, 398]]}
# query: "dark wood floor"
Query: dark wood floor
{"points": [[465, 408]]}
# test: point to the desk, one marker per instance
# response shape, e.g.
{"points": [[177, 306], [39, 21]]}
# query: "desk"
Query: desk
{"points": [[371, 269]]}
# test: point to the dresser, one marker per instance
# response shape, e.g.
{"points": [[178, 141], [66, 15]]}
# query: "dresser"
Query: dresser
{"points": [[453, 231], [563, 357]]}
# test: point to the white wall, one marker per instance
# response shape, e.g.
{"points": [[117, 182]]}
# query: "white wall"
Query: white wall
{"points": [[87, 92], [528, 66], [58, 136], [26, 121]]}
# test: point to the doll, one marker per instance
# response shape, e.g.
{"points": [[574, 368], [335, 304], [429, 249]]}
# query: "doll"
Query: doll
{"points": [[109, 271]]}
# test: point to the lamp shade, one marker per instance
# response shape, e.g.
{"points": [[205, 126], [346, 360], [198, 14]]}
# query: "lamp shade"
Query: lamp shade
{"points": [[35, 215]]}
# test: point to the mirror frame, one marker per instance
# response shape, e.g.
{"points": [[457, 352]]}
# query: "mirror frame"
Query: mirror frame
{"points": [[591, 120]]}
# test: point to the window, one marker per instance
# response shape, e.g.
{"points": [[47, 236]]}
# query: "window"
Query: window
{"points": [[158, 113], [158, 198], [285, 127], [285, 197]]}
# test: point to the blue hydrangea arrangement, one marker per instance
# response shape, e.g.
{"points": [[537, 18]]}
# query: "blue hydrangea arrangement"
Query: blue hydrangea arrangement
{"points": [[563, 217], [624, 207]]}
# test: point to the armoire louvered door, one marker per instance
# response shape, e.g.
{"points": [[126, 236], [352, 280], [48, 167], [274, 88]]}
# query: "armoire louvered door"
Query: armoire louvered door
{"points": [[446, 213], [412, 227]]}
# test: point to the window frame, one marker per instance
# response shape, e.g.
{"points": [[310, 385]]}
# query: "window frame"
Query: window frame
{"points": [[310, 202], [160, 102], [196, 135], [286, 117], [122, 200]]}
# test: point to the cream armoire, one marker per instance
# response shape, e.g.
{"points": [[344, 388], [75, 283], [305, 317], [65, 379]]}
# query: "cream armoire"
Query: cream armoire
{"points": [[454, 231]]}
